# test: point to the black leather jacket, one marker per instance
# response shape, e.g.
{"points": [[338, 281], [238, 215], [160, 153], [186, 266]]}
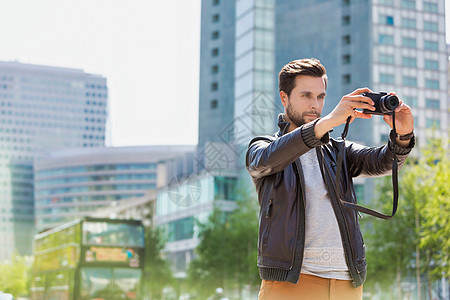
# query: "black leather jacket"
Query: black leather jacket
{"points": [[275, 167]]}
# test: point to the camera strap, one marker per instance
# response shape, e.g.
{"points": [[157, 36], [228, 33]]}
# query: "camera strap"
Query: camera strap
{"points": [[341, 153]]}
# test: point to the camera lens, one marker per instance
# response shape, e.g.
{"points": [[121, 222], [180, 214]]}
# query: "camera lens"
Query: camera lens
{"points": [[389, 103]]}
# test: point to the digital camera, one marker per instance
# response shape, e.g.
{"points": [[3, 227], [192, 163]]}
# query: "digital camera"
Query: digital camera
{"points": [[384, 103]]}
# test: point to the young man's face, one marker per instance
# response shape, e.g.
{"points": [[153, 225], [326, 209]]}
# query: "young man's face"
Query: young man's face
{"points": [[306, 101]]}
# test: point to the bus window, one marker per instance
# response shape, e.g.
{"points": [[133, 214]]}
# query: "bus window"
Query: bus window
{"points": [[127, 283], [95, 283], [103, 233]]}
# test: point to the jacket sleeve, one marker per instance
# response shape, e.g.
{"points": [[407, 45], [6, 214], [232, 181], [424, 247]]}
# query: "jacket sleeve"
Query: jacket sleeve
{"points": [[265, 157], [375, 161]]}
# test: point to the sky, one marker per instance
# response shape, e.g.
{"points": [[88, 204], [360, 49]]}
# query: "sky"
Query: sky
{"points": [[147, 49]]}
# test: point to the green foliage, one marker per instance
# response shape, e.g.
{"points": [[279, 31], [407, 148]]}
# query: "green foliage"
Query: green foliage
{"points": [[157, 272], [226, 254], [14, 276], [422, 223], [435, 216]]}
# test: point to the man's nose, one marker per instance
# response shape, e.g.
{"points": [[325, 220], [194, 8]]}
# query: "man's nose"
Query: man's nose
{"points": [[315, 103]]}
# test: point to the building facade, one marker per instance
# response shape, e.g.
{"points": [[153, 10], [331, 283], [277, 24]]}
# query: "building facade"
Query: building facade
{"points": [[73, 183], [42, 109], [180, 205]]}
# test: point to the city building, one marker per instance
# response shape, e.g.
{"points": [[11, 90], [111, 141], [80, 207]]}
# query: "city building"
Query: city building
{"points": [[69, 184], [386, 45], [183, 203], [42, 109], [216, 91]]}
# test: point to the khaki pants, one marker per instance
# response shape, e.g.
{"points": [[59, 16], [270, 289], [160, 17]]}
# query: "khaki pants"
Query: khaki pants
{"points": [[310, 287]]}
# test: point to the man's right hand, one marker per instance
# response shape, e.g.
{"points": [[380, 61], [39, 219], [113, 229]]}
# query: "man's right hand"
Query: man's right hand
{"points": [[348, 106]]}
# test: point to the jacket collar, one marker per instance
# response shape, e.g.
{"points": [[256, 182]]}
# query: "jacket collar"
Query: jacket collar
{"points": [[284, 126]]}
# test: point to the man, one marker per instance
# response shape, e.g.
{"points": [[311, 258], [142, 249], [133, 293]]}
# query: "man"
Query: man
{"points": [[310, 245]]}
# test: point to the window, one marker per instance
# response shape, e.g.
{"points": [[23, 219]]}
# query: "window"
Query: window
{"points": [[387, 78], [410, 100], [433, 123], [214, 103], [408, 23], [215, 35], [346, 40], [387, 20], [215, 52], [386, 39], [214, 86], [409, 61], [345, 20], [346, 59], [346, 78], [215, 69], [431, 64], [409, 4], [386, 58], [431, 45], [386, 2], [430, 26], [216, 18], [430, 7], [433, 103], [409, 81], [432, 84], [409, 42]]}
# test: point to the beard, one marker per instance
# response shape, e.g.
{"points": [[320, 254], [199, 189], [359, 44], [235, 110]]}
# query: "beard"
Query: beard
{"points": [[297, 118]]}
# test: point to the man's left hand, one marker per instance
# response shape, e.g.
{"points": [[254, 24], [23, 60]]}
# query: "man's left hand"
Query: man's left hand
{"points": [[404, 121]]}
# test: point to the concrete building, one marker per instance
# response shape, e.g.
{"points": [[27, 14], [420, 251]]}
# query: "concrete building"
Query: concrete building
{"points": [[42, 109], [73, 183]]}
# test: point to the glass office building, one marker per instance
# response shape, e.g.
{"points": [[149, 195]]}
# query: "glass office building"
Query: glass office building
{"points": [[69, 184], [42, 109]]}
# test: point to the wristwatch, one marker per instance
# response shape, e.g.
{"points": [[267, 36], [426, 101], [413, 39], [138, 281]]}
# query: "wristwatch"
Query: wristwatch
{"points": [[405, 137]]}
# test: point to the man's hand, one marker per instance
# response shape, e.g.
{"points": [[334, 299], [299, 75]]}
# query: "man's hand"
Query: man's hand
{"points": [[346, 107], [404, 121]]}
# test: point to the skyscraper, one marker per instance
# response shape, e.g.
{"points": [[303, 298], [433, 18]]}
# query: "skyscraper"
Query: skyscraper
{"points": [[42, 109], [216, 94]]}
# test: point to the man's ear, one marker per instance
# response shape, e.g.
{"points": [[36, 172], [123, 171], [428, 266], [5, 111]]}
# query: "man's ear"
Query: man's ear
{"points": [[284, 98]]}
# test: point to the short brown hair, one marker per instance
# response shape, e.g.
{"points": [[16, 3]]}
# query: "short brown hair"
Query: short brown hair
{"points": [[306, 66]]}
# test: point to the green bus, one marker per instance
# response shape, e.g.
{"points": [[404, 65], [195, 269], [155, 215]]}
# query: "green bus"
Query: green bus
{"points": [[89, 259]]}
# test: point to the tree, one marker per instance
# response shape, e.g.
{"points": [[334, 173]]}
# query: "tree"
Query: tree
{"points": [[226, 254], [417, 238], [14, 276], [157, 272]]}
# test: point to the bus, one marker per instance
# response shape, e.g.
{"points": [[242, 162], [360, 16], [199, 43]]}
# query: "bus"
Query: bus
{"points": [[89, 259]]}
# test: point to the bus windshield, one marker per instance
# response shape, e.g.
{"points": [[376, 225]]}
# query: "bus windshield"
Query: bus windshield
{"points": [[117, 234], [110, 283]]}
